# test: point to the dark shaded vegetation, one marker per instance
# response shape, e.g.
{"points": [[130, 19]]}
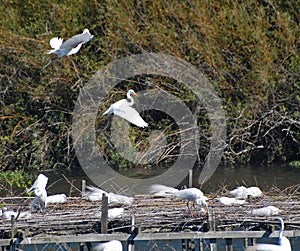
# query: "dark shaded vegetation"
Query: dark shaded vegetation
{"points": [[248, 49]]}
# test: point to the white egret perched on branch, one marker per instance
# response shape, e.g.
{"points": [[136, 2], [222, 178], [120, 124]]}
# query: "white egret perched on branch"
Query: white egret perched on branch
{"points": [[39, 188], [189, 194], [283, 244], [69, 47], [113, 245], [124, 109]]}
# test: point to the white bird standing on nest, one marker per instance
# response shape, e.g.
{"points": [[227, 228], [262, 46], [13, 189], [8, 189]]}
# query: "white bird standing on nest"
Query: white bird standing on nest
{"points": [[39, 188], [266, 211], [283, 244], [69, 47], [189, 194], [113, 245], [95, 194], [124, 109], [242, 192]]}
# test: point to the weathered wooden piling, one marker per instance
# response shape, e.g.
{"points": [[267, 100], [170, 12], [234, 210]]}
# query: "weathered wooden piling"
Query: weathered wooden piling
{"points": [[133, 234], [104, 214], [83, 188], [190, 178]]}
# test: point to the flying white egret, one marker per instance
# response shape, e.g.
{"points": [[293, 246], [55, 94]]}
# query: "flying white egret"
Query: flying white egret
{"points": [[113, 245], [266, 211], [56, 199], [242, 192], [39, 188], [189, 194], [226, 201], [95, 194], [124, 109], [7, 214], [283, 244], [69, 47]]}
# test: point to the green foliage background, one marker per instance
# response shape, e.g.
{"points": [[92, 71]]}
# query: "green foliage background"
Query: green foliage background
{"points": [[248, 49]]}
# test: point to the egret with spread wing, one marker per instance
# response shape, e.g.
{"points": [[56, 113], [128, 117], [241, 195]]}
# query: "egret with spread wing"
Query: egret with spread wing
{"points": [[69, 47], [39, 188], [124, 109]]}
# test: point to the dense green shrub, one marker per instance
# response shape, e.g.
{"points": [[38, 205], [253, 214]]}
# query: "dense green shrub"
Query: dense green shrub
{"points": [[248, 49]]}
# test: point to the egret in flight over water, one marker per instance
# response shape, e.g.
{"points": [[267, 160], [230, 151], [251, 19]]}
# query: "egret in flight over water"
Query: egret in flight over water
{"points": [[124, 109], [69, 47], [283, 243]]}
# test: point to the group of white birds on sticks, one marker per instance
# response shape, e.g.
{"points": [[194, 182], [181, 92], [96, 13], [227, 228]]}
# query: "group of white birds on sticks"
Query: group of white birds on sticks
{"points": [[195, 195], [125, 110]]}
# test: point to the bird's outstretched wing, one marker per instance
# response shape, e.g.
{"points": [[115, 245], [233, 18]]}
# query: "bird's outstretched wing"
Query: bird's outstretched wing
{"points": [[40, 183], [56, 42], [123, 110]]}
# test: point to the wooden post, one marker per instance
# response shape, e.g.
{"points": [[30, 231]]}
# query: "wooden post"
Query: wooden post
{"points": [[211, 221], [131, 241], [132, 223], [14, 229], [190, 178], [229, 246], [104, 214], [83, 187]]}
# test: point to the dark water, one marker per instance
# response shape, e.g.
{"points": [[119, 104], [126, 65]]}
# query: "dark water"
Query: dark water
{"points": [[266, 178]]}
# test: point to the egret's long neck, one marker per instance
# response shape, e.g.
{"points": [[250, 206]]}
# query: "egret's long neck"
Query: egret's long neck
{"points": [[280, 232], [131, 101]]}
